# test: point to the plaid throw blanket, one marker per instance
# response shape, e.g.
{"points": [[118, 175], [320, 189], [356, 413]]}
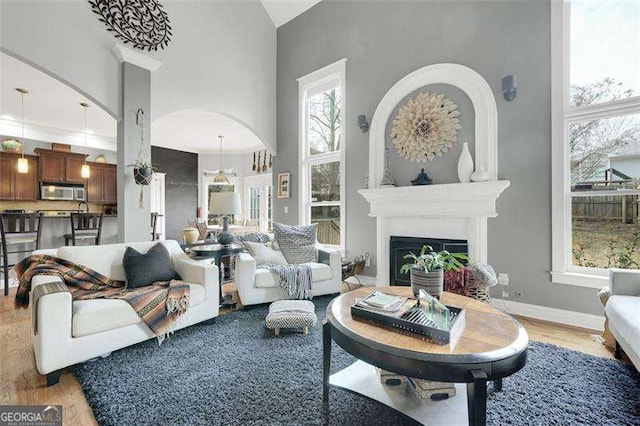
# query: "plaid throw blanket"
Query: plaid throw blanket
{"points": [[158, 305], [294, 279]]}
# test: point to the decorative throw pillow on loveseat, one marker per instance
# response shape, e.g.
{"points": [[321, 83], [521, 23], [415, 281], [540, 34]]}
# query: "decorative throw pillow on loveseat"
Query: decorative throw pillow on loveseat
{"points": [[145, 269], [264, 254], [297, 243], [252, 237]]}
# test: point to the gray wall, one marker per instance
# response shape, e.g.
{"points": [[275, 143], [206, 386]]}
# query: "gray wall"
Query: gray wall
{"points": [[384, 41], [181, 187]]}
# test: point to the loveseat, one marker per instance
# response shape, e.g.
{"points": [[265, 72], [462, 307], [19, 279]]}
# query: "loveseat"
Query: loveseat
{"points": [[71, 332], [256, 285], [623, 312]]}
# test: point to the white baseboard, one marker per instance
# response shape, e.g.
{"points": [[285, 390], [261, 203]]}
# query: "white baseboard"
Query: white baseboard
{"points": [[576, 319]]}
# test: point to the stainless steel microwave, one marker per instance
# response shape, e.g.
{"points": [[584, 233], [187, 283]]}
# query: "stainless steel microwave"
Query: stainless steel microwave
{"points": [[59, 192]]}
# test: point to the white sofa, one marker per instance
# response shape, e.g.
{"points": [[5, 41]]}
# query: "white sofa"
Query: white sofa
{"points": [[623, 312], [73, 332], [261, 285]]}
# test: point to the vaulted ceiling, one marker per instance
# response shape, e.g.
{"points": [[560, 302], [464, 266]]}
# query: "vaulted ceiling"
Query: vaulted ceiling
{"points": [[282, 11]]}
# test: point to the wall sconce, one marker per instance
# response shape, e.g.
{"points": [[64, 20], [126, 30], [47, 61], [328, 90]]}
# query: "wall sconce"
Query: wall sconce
{"points": [[362, 123], [509, 87]]}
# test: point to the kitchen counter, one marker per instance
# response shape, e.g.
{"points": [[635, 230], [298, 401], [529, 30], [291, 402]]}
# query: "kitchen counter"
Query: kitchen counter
{"points": [[68, 215], [54, 228]]}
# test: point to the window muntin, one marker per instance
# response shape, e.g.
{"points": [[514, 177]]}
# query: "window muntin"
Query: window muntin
{"points": [[254, 205]]}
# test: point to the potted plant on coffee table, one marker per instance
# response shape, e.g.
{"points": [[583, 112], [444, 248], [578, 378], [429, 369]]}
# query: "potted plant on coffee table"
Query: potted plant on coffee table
{"points": [[427, 269]]}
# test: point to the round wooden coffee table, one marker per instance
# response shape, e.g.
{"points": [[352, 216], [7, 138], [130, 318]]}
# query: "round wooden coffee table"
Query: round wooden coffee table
{"points": [[492, 345]]}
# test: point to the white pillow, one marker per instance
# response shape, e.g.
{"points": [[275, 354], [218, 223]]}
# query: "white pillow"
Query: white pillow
{"points": [[263, 254]]}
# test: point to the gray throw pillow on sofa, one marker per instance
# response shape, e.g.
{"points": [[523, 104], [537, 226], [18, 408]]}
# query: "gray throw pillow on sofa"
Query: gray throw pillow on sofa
{"points": [[297, 243], [145, 269]]}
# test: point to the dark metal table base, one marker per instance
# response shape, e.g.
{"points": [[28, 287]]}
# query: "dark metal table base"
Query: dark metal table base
{"points": [[227, 301]]}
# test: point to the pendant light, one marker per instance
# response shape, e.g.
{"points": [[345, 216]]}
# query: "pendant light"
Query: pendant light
{"points": [[85, 172], [23, 163], [221, 178]]}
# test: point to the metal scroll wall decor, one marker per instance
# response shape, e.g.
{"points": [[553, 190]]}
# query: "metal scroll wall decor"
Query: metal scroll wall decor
{"points": [[257, 166], [142, 23], [426, 127]]}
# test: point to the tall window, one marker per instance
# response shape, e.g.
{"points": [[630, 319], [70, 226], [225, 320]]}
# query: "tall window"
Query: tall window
{"points": [[322, 177], [596, 131], [258, 190]]}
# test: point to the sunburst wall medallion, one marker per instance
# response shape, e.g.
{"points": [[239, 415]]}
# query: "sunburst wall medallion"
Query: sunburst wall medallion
{"points": [[141, 23], [426, 127]]}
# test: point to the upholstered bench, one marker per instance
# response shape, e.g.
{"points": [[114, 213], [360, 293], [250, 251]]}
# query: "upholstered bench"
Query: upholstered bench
{"points": [[291, 314]]}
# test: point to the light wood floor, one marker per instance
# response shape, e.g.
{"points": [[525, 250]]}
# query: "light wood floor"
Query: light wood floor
{"points": [[21, 384]]}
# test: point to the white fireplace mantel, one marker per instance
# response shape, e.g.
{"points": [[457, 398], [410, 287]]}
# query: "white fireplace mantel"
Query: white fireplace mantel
{"points": [[456, 211], [474, 199]]}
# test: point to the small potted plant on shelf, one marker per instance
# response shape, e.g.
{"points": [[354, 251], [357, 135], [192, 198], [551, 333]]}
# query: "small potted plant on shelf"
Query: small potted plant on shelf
{"points": [[427, 269]]}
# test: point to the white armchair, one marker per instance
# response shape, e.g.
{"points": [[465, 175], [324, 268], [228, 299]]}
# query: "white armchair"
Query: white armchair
{"points": [[623, 312], [257, 285]]}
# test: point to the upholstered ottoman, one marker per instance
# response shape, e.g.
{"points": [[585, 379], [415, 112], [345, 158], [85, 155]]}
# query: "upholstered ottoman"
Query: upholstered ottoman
{"points": [[291, 314]]}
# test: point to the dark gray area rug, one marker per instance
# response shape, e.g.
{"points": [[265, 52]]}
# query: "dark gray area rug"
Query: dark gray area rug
{"points": [[234, 371]]}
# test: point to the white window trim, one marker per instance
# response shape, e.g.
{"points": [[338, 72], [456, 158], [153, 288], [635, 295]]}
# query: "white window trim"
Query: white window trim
{"points": [[262, 181], [563, 270], [306, 83]]}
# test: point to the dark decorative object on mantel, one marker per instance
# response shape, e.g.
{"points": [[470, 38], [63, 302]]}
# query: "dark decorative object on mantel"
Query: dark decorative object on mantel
{"points": [[422, 179], [143, 23]]}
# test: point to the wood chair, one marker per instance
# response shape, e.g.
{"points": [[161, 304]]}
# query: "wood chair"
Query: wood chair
{"points": [[18, 229], [84, 227], [154, 227]]}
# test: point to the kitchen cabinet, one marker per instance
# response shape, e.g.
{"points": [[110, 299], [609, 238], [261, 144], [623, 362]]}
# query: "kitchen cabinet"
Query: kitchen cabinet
{"points": [[26, 184], [18, 186], [110, 184], [51, 167], [73, 169], [60, 167], [7, 174], [102, 184], [95, 184]]}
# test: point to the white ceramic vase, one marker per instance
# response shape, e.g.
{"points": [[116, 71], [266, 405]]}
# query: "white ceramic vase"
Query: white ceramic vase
{"points": [[465, 164], [480, 175]]}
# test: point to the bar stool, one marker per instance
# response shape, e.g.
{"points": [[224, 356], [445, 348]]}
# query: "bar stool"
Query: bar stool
{"points": [[84, 226], [18, 229]]}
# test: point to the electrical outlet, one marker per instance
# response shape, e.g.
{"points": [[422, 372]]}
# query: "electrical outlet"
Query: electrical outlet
{"points": [[286, 209], [367, 262], [503, 279]]}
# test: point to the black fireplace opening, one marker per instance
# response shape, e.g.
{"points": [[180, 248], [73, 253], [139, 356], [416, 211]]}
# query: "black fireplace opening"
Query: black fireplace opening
{"points": [[401, 246]]}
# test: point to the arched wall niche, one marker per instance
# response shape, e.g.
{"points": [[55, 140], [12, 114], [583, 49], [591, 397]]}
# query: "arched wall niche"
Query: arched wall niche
{"points": [[460, 76]]}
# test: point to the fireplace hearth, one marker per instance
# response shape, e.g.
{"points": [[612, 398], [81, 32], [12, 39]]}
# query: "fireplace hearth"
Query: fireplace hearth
{"points": [[401, 246]]}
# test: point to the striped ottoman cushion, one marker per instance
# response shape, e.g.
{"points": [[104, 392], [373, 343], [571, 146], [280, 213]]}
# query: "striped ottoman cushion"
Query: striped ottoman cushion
{"points": [[291, 314]]}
